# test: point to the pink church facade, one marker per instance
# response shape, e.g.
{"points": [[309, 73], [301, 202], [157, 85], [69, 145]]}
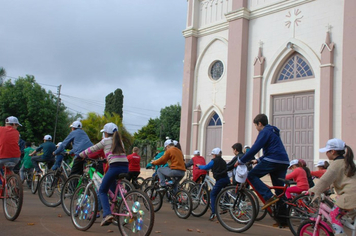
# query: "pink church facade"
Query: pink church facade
{"points": [[292, 60]]}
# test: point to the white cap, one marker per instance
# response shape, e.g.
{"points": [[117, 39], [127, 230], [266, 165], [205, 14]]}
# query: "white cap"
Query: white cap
{"points": [[12, 120], [47, 137], [175, 142], [110, 128], [196, 152], [333, 144], [246, 146], [241, 173], [293, 162], [168, 142], [216, 151], [58, 144], [320, 163], [76, 124]]}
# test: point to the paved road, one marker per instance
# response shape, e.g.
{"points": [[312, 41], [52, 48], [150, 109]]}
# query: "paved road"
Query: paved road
{"points": [[37, 219]]}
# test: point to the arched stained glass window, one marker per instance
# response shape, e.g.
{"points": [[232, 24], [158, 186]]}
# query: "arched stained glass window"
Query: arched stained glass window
{"points": [[215, 120], [296, 67]]}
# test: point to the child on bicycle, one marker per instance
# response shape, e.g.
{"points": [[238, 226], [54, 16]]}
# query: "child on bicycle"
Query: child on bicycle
{"points": [[341, 173], [48, 148], [115, 155], [218, 166], [26, 161], [303, 164], [198, 174], [298, 175], [322, 166], [134, 166]]}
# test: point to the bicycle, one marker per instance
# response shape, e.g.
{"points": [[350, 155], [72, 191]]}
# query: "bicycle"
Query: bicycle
{"points": [[11, 193], [320, 225], [131, 209], [50, 185], [28, 174], [36, 177], [201, 195], [181, 200]]}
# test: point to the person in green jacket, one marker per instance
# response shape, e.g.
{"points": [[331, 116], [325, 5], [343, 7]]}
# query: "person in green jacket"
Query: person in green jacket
{"points": [[26, 163]]}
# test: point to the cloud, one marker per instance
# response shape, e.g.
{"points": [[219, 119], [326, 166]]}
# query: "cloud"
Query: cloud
{"points": [[93, 47]]}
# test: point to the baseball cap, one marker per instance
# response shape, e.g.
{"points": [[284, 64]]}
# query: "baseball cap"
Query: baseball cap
{"points": [[333, 144], [58, 144], [196, 152], [76, 124], [167, 142], [12, 120], [110, 128], [216, 151], [241, 173], [175, 142], [47, 137], [320, 163], [293, 162], [161, 149], [246, 146]]}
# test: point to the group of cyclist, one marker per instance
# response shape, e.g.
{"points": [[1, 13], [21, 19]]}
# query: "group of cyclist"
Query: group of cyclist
{"points": [[275, 162]]}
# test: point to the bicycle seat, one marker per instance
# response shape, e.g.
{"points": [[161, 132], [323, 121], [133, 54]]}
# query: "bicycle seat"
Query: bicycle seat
{"points": [[287, 182], [9, 165], [122, 175]]}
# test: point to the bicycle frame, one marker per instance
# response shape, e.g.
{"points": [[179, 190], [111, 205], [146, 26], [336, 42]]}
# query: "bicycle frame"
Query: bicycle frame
{"points": [[3, 178], [114, 200]]}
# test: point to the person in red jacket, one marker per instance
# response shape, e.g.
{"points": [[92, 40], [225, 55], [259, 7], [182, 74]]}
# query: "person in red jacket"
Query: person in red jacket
{"points": [[9, 142], [298, 175], [134, 166], [197, 173], [322, 165]]}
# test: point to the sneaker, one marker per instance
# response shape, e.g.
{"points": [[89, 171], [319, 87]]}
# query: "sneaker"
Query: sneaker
{"points": [[212, 217], [162, 188], [107, 220], [270, 201]]}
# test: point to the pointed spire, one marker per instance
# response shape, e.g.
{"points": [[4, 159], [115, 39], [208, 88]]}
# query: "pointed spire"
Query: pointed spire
{"points": [[327, 40]]}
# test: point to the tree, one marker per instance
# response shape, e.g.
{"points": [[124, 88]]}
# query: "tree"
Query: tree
{"points": [[34, 107], [114, 102], [2, 74], [170, 122], [94, 123], [149, 131]]}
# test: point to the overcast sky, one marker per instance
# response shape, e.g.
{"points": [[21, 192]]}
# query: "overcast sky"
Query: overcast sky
{"points": [[93, 47]]}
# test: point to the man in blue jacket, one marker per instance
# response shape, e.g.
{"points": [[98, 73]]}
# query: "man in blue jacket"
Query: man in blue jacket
{"points": [[80, 141], [274, 161]]}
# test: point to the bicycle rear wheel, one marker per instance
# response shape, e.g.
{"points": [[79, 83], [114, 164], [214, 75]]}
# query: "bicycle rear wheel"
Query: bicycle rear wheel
{"points": [[49, 189], [301, 208], [236, 211], [68, 189], [83, 208], [142, 220], [155, 197], [35, 181], [187, 185], [308, 226], [200, 199], [182, 204], [146, 183], [13, 197]]}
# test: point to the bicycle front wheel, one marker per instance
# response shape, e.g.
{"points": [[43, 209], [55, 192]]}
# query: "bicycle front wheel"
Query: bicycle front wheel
{"points": [[187, 185], [183, 204], [201, 200], [142, 219], [49, 189], [301, 208], [83, 207], [308, 227], [236, 211], [155, 197], [68, 189], [13, 197]]}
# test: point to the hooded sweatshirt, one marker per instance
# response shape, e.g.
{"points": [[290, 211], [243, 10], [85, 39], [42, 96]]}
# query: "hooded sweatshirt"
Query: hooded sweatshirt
{"points": [[270, 141]]}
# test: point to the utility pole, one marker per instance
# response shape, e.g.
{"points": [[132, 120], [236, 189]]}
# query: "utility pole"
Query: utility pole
{"points": [[58, 103]]}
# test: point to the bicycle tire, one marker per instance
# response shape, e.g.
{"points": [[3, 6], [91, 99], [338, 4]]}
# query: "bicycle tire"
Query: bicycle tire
{"points": [[146, 183], [67, 192], [182, 204], [139, 181], [35, 181], [187, 185], [127, 186], [300, 209], [261, 214], [307, 228], [12, 202], [155, 197], [200, 200], [84, 217], [142, 219], [49, 192], [236, 211]]}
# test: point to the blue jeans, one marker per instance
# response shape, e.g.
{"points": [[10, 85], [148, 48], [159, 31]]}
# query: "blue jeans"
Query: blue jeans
{"points": [[3, 162], [57, 164], [37, 159], [109, 182], [219, 184], [164, 172], [275, 170]]}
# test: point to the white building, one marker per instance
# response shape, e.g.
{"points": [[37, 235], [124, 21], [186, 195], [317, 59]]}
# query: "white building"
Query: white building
{"points": [[293, 60]]}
